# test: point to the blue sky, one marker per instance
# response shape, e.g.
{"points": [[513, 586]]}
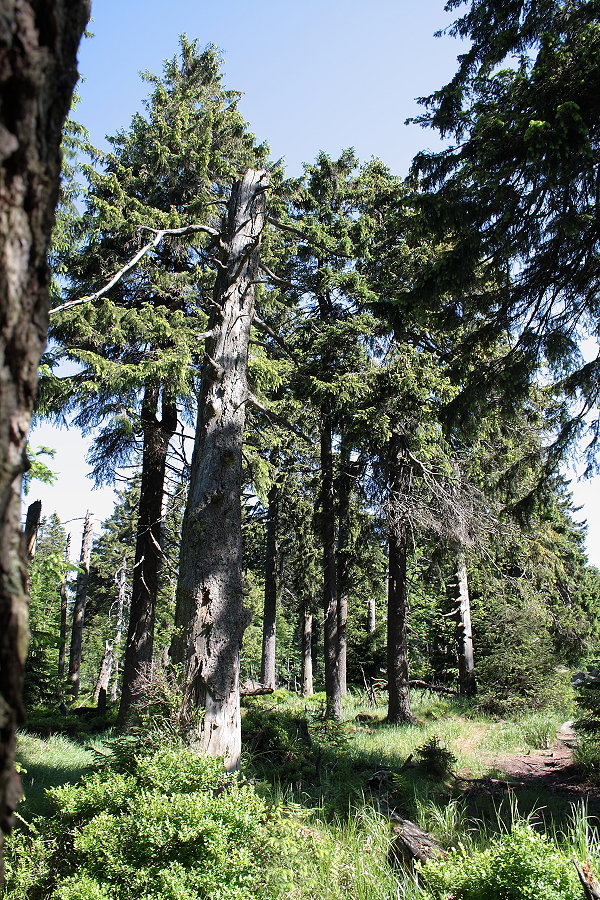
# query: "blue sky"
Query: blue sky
{"points": [[316, 75]]}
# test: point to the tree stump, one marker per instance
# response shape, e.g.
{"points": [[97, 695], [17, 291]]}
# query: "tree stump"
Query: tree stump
{"points": [[411, 844]]}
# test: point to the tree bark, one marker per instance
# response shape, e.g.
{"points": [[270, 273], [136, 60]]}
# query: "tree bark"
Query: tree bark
{"points": [[32, 525], [371, 615], [210, 617], [121, 580], [399, 711], [38, 48], [347, 474], [79, 606], [62, 640], [267, 671], [307, 666], [464, 633], [330, 597], [106, 667], [148, 554]]}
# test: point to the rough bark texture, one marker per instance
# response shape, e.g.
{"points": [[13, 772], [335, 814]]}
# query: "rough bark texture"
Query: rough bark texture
{"points": [[38, 48], [106, 667], [397, 644], [267, 670], [79, 605], [464, 633], [121, 582], [330, 597], [32, 524], [62, 640], [210, 617], [307, 665], [148, 554]]}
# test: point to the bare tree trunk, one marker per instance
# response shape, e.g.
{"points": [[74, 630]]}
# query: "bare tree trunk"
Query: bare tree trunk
{"points": [[399, 710], [121, 580], [32, 525], [371, 612], [307, 666], [267, 672], [210, 617], [464, 633], [347, 474], [38, 49], [62, 641], [106, 667], [79, 606], [148, 553], [330, 597]]}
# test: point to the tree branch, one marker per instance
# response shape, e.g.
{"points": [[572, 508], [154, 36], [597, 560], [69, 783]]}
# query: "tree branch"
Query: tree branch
{"points": [[158, 236]]}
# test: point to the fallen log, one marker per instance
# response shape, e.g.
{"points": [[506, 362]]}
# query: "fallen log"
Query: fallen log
{"points": [[435, 688], [411, 844], [589, 882], [254, 689]]}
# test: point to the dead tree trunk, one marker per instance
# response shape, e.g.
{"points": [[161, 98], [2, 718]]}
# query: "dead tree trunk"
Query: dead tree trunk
{"points": [[307, 666], [32, 525], [121, 580], [371, 615], [64, 605], [399, 710], [267, 670], [210, 617], [464, 632], [79, 606], [148, 554], [106, 667], [38, 49], [330, 596]]}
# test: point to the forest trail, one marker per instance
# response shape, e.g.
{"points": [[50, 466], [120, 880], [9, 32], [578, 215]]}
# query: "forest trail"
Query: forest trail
{"points": [[552, 771]]}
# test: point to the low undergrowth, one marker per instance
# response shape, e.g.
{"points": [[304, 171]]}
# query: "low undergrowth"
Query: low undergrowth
{"points": [[308, 818]]}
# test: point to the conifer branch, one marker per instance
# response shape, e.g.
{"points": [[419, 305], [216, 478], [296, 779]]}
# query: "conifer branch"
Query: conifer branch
{"points": [[275, 417], [276, 337], [280, 281]]}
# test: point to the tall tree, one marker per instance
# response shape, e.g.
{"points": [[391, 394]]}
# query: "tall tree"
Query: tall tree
{"points": [[38, 46], [210, 617], [138, 353]]}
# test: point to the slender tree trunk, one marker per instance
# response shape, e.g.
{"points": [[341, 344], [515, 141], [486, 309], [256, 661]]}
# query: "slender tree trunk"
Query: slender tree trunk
{"points": [[79, 606], [148, 553], [121, 580], [330, 598], [32, 525], [466, 662], [371, 611], [399, 710], [267, 671], [210, 617], [62, 640], [38, 49], [106, 667], [347, 474], [307, 665]]}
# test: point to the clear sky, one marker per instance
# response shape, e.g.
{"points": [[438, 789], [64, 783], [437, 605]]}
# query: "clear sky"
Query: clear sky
{"points": [[316, 75]]}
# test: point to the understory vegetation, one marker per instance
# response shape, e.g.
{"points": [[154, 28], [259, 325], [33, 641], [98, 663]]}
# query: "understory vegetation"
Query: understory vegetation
{"points": [[311, 814]]}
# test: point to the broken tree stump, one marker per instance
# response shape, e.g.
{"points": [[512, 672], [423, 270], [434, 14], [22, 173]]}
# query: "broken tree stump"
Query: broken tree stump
{"points": [[411, 844]]}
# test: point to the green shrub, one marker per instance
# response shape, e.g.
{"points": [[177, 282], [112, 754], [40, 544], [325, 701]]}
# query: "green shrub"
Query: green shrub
{"points": [[521, 865], [177, 827]]}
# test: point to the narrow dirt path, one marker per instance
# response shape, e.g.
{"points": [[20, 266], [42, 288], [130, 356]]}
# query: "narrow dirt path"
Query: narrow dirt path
{"points": [[552, 770]]}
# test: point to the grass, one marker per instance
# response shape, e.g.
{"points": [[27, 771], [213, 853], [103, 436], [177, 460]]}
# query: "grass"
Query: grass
{"points": [[48, 763], [341, 811]]}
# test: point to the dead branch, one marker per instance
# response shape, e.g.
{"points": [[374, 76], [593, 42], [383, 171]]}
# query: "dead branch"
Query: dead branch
{"points": [[158, 236]]}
